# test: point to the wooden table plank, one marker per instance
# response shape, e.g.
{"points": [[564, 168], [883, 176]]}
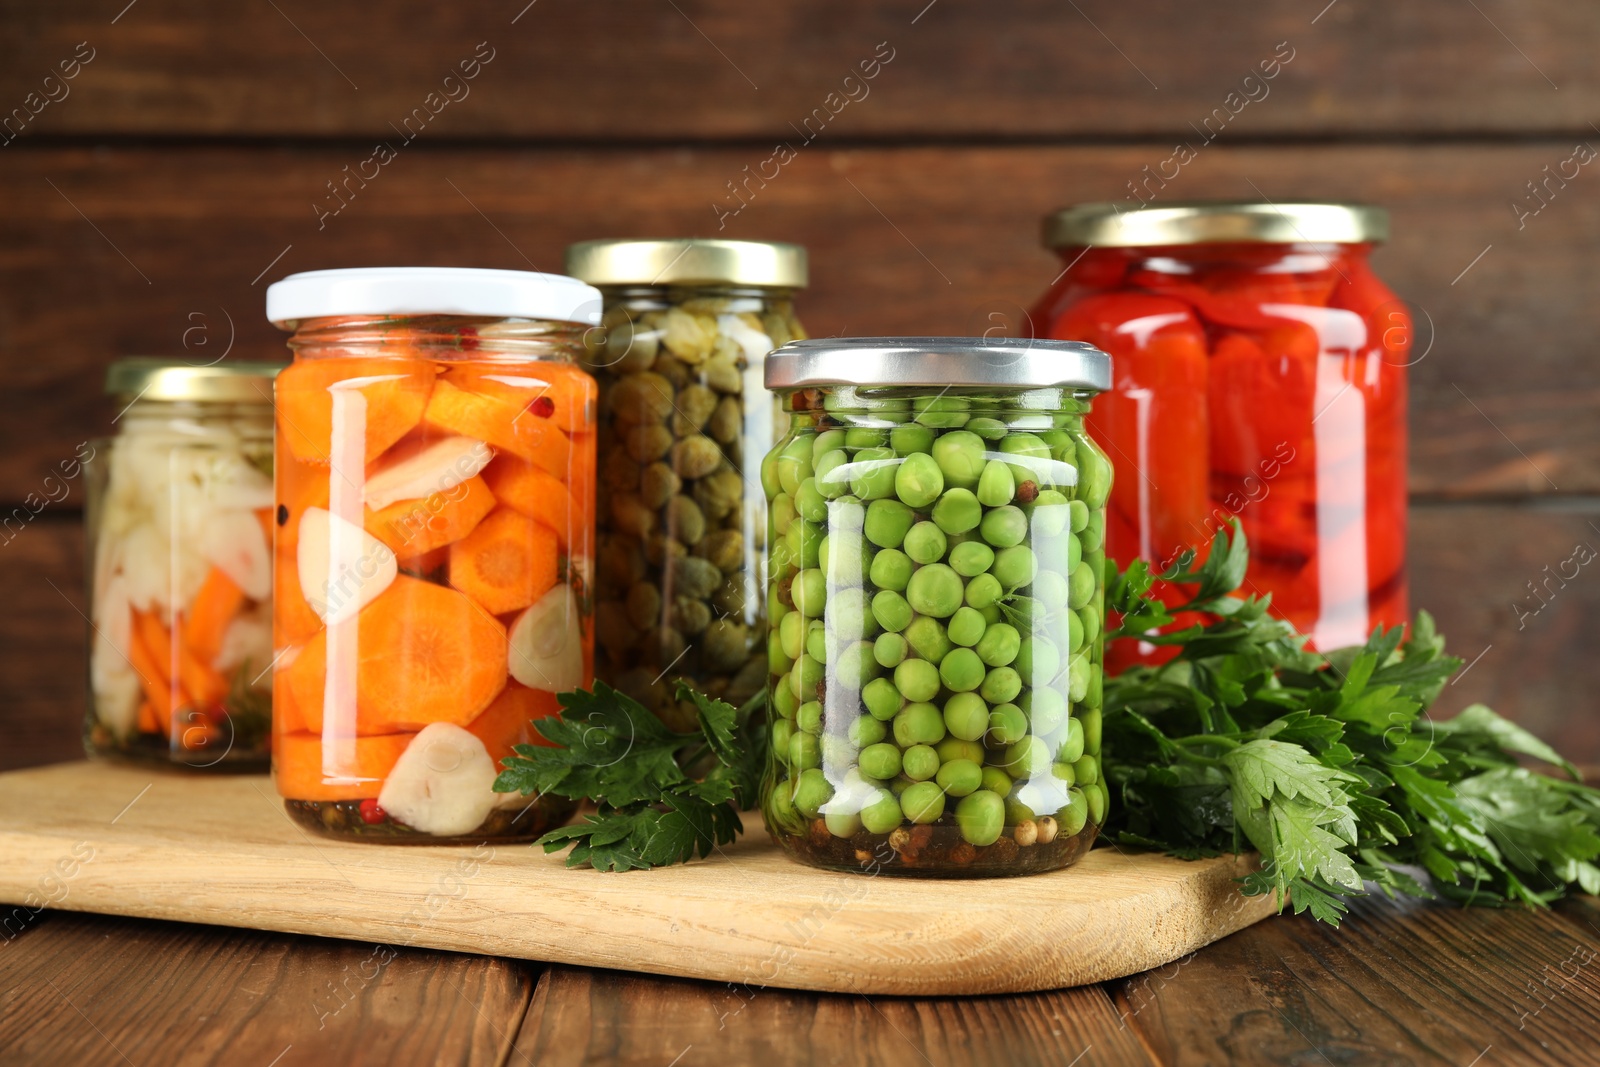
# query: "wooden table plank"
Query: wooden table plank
{"points": [[593, 1017], [90, 989], [1409, 983]]}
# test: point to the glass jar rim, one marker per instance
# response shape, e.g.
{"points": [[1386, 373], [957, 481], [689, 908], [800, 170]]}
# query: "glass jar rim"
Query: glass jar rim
{"points": [[940, 362], [1108, 224]]}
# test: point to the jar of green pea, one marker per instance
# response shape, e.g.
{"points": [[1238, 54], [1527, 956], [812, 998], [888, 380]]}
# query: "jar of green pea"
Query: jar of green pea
{"points": [[936, 563]]}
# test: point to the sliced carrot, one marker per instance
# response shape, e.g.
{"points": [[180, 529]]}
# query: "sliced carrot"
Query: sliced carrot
{"points": [[425, 653], [200, 680], [149, 722], [503, 423], [509, 720], [218, 601], [152, 677], [396, 392], [300, 486], [286, 715], [570, 392], [414, 527], [293, 621], [505, 564], [297, 764], [429, 565], [585, 466], [527, 489], [264, 517]]}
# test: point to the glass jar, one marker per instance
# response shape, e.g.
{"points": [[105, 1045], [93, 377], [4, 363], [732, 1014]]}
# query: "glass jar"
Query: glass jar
{"points": [[937, 560], [178, 514], [684, 423], [1260, 375], [435, 493]]}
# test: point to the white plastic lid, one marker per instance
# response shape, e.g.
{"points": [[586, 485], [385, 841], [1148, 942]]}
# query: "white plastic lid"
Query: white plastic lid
{"points": [[518, 294]]}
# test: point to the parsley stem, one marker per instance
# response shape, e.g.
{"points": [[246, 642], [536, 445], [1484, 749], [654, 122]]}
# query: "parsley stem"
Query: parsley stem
{"points": [[1206, 739]]}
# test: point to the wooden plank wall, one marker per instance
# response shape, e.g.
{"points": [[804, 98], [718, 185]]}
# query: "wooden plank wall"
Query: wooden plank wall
{"points": [[147, 200]]}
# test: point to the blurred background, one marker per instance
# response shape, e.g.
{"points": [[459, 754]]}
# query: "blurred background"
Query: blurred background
{"points": [[162, 161]]}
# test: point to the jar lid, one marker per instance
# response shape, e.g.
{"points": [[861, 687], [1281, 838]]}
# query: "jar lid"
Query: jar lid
{"points": [[499, 294], [1113, 225], [235, 381], [688, 261], [1009, 362]]}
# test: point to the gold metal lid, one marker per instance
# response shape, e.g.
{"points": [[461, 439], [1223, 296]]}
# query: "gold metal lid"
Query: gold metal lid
{"points": [[688, 261], [239, 381], [1113, 225]]}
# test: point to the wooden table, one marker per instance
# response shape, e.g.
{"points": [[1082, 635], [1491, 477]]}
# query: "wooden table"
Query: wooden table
{"points": [[1398, 984]]}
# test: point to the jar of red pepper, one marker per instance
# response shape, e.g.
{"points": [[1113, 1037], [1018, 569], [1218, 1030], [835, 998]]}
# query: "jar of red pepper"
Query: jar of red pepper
{"points": [[1260, 374]]}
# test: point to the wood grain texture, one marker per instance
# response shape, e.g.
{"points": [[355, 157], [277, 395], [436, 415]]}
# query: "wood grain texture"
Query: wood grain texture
{"points": [[122, 250], [222, 850], [706, 68], [581, 1017], [43, 642], [90, 989], [1396, 984]]}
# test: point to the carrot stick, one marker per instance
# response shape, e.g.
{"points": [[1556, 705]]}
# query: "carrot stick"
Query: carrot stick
{"points": [[149, 723], [147, 664], [218, 601], [198, 677]]}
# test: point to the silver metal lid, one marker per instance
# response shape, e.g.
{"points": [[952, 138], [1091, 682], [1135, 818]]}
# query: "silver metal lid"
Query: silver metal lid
{"points": [[1007, 362], [240, 381], [688, 261], [1112, 225]]}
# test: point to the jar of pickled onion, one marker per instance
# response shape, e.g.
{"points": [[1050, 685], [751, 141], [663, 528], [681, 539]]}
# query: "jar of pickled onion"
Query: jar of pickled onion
{"points": [[432, 539], [1260, 376]]}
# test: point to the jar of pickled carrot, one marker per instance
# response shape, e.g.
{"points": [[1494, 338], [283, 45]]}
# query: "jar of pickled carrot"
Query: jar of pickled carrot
{"points": [[179, 517], [432, 540], [1260, 376], [684, 423]]}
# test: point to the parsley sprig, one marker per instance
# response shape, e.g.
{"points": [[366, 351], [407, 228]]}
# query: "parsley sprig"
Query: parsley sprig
{"points": [[1325, 763]]}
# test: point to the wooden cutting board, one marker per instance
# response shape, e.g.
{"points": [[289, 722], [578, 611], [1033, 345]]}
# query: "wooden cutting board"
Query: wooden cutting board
{"points": [[127, 840]]}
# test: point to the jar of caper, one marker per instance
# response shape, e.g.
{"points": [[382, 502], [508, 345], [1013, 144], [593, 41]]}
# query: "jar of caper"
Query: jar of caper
{"points": [[685, 420], [937, 597]]}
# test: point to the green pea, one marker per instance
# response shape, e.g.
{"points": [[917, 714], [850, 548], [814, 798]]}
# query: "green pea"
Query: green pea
{"points": [[871, 473], [917, 679], [794, 463], [846, 612], [899, 784], [865, 732], [1099, 802], [1027, 758], [984, 591], [990, 429], [999, 644], [925, 543], [1004, 527], [856, 665], [804, 751], [840, 824], [935, 590], [923, 802], [997, 781], [810, 593], [1029, 449], [910, 438], [782, 734], [990, 612], [918, 724], [883, 814], [811, 790], [1079, 516], [1078, 678], [1074, 632], [941, 412], [1093, 537], [1093, 696], [966, 627], [783, 513], [858, 437], [961, 670], [1080, 586], [1050, 520], [1015, 567], [783, 699], [1062, 446], [981, 817], [1076, 813], [890, 649], [1046, 710], [890, 569], [887, 523], [891, 610], [957, 511], [846, 513], [996, 486], [809, 502], [1071, 749], [966, 716], [959, 777], [770, 486], [920, 763], [1094, 480], [826, 442], [1049, 660], [779, 559], [817, 641], [809, 717], [928, 639], [1087, 768], [1018, 812], [792, 634], [882, 699], [1091, 730], [880, 761], [954, 748], [778, 661], [1090, 618], [805, 541], [918, 480], [960, 456], [1064, 773], [971, 559], [1000, 685], [805, 676]]}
